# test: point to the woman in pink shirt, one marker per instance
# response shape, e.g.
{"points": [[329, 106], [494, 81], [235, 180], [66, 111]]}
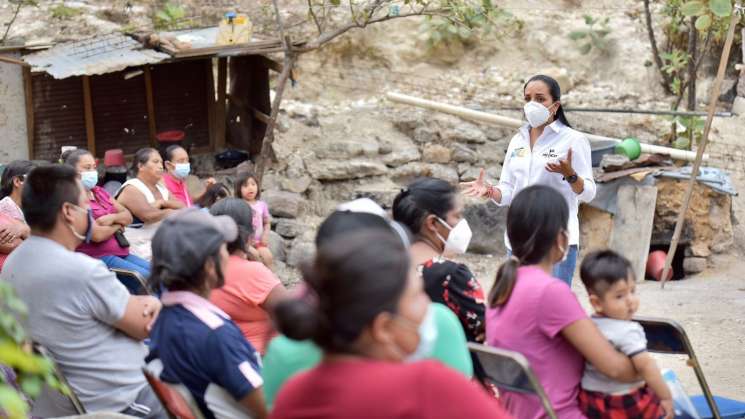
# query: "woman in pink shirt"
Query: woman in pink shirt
{"points": [[250, 289], [110, 219], [178, 168], [531, 312]]}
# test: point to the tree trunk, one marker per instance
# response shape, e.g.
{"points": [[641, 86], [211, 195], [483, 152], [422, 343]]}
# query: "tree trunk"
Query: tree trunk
{"points": [[692, 44]]}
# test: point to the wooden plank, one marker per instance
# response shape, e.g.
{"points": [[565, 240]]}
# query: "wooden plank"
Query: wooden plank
{"points": [[152, 128], [220, 112], [209, 70], [261, 116], [270, 64], [28, 90], [11, 60], [90, 130], [632, 225]]}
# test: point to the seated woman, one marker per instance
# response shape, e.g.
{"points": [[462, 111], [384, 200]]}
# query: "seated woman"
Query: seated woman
{"points": [[198, 345], [433, 211], [178, 169], [364, 305], [147, 199], [536, 314], [11, 184], [111, 219], [286, 357], [12, 234], [251, 290]]}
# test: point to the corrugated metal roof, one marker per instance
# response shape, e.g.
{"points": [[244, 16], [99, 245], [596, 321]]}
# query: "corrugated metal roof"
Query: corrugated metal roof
{"points": [[99, 55]]}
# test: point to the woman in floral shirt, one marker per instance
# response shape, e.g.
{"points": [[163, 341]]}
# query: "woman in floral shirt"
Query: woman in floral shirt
{"points": [[433, 211]]}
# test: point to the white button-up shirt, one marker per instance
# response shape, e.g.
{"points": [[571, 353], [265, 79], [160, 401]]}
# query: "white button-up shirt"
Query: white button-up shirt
{"points": [[524, 167]]}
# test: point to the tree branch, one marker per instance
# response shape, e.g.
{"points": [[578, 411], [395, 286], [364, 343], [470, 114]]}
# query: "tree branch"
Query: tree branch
{"points": [[698, 62], [12, 20], [667, 83], [314, 17]]}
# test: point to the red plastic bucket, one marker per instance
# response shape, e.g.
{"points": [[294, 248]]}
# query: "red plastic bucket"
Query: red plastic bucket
{"points": [[170, 136], [656, 264], [114, 158]]}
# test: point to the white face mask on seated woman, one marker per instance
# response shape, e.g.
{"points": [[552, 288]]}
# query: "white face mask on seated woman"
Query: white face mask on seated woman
{"points": [[459, 237]]}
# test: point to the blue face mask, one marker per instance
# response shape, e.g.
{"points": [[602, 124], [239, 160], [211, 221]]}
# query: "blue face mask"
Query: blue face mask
{"points": [[182, 170], [89, 179], [427, 332]]}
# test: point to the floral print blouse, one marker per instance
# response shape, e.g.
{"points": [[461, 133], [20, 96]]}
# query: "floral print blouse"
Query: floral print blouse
{"points": [[454, 285]]}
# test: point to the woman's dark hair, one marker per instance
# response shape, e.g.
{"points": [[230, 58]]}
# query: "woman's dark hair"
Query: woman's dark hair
{"points": [[555, 90], [16, 168], [72, 157], [213, 194], [537, 215], [601, 269], [46, 189], [141, 157], [170, 150], [161, 276], [241, 180], [354, 277], [423, 197], [342, 222], [239, 210]]}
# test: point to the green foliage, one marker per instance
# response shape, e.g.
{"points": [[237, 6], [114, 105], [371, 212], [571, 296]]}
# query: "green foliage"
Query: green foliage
{"points": [[593, 36], [687, 127], [465, 21], [33, 370], [63, 12], [171, 17]]}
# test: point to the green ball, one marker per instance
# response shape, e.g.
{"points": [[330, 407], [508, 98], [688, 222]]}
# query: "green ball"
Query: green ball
{"points": [[629, 147]]}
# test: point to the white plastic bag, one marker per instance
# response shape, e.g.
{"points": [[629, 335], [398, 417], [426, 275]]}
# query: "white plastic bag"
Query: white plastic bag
{"points": [[684, 408]]}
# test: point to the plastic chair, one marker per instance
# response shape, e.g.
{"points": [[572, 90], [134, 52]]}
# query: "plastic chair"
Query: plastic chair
{"points": [[668, 337], [510, 371], [135, 283], [175, 404], [72, 397]]}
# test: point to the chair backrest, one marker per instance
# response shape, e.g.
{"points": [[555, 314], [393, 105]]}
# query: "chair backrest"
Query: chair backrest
{"points": [[71, 396], [668, 337], [174, 403], [133, 279], [510, 371]]}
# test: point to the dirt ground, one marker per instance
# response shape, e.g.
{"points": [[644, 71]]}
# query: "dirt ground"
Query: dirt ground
{"points": [[710, 307]]}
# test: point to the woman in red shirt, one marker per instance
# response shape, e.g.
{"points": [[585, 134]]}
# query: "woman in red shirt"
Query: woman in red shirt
{"points": [[365, 306]]}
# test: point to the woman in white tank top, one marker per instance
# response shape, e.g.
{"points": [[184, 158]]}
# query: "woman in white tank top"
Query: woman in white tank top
{"points": [[147, 199]]}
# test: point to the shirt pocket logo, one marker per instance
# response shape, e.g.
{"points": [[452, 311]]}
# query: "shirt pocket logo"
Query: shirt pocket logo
{"points": [[519, 152]]}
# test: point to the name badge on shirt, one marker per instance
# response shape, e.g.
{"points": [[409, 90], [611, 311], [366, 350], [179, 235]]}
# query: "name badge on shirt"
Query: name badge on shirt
{"points": [[550, 154], [520, 152]]}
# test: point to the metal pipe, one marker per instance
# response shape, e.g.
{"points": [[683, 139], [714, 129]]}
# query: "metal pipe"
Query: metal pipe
{"points": [[633, 111], [516, 123]]}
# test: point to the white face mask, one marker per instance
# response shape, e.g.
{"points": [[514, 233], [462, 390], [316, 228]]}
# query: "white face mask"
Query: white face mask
{"points": [[536, 113], [427, 332], [459, 238]]}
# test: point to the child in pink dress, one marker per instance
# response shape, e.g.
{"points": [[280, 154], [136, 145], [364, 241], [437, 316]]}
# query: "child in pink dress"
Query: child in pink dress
{"points": [[247, 187]]}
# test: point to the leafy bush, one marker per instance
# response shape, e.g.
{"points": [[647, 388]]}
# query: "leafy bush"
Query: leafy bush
{"points": [[171, 17], [594, 36], [15, 352]]}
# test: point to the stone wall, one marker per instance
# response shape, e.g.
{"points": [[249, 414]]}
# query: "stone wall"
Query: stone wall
{"points": [[13, 138]]}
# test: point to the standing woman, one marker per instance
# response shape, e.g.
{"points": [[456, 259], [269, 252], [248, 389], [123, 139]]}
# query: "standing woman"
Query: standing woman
{"points": [[545, 151]]}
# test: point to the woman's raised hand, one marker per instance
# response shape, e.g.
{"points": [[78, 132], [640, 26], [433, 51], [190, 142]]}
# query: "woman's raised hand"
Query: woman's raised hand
{"points": [[477, 188], [563, 167]]}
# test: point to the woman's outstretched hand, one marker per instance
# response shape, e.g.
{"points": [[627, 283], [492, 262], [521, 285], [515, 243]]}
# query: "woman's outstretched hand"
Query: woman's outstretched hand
{"points": [[477, 188], [563, 167]]}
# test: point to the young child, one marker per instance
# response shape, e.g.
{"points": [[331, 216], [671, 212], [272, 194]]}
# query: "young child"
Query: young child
{"points": [[247, 187], [611, 285]]}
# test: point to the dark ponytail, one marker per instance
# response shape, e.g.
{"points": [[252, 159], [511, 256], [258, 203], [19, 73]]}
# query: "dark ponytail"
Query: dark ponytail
{"points": [[555, 90], [537, 215], [421, 198], [353, 278]]}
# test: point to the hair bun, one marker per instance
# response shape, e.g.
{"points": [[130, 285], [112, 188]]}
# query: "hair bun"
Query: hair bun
{"points": [[297, 318]]}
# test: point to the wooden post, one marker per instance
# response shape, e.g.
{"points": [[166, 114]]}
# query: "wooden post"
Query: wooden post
{"points": [[28, 88], [152, 129], [210, 102], [220, 122], [90, 130], [713, 99]]}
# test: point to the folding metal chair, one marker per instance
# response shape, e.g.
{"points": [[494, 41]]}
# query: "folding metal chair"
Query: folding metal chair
{"points": [[174, 403], [668, 337], [510, 371], [135, 283], [71, 396]]}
